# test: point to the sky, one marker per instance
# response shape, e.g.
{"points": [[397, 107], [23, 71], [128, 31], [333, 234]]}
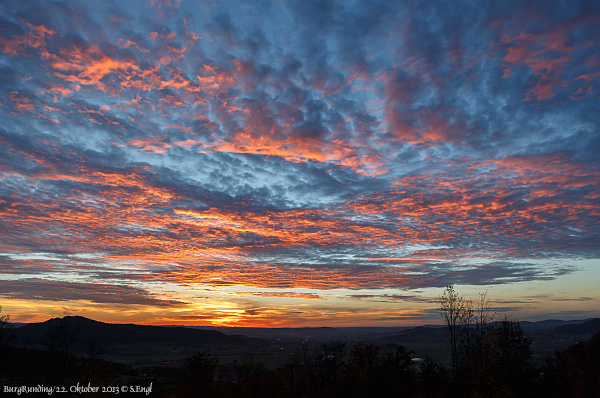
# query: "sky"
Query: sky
{"points": [[298, 162]]}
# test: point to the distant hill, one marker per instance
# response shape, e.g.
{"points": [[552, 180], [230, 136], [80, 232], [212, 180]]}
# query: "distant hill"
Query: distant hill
{"points": [[140, 345], [419, 334], [108, 333], [548, 324], [300, 333], [588, 327]]}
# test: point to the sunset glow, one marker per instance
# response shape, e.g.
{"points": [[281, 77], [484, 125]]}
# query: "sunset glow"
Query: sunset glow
{"points": [[298, 163]]}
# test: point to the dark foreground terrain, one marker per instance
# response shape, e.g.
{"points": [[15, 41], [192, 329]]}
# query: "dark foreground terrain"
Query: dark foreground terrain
{"points": [[545, 359], [140, 345]]}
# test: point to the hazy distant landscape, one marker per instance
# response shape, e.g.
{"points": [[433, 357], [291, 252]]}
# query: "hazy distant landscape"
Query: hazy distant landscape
{"points": [[177, 361], [139, 346]]}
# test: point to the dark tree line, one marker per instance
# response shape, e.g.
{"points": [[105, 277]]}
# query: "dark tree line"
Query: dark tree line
{"points": [[330, 370], [490, 358], [573, 372]]}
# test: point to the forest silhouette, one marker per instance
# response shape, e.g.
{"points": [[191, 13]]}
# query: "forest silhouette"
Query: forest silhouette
{"points": [[489, 358]]}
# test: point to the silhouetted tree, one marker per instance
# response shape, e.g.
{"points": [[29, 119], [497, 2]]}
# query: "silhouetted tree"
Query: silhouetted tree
{"points": [[199, 375], [489, 358], [60, 340], [573, 372], [250, 378], [6, 331], [511, 350], [477, 357], [431, 378], [397, 377], [369, 373], [63, 334], [298, 374], [330, 359], [361, 370], [457, 314], [7, 338]]}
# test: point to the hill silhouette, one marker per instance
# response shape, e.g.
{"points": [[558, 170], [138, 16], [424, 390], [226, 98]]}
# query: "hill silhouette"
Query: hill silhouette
{"points": [[588, 327], [419, 334], [549, 324], [109, 333]]}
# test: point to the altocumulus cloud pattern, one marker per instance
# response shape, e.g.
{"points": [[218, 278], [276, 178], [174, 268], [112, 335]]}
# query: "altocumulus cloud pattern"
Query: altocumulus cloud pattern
{"points": [[276, 162]]}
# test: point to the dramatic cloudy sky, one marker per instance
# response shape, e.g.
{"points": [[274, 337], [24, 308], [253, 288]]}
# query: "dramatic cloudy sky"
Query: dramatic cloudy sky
{"points": [[298, 162]]}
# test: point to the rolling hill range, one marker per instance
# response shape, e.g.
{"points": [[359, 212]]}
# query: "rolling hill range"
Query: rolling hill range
{"points": [[109, 333], [588, 327], [140, 345], [129, 343]]}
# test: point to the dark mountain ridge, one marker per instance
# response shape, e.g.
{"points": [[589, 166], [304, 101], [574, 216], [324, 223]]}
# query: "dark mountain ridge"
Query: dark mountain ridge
{"points": [[549, 324], [588, 327], [107, 333]]}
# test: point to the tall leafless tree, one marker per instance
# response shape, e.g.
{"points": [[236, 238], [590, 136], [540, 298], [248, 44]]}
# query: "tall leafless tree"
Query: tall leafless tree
{"points": [[61, 338], [457, 314]]}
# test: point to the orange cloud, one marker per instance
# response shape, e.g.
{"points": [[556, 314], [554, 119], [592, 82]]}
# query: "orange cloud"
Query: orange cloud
{"points": [[547, 54], [89, 66], [34, 38]]}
